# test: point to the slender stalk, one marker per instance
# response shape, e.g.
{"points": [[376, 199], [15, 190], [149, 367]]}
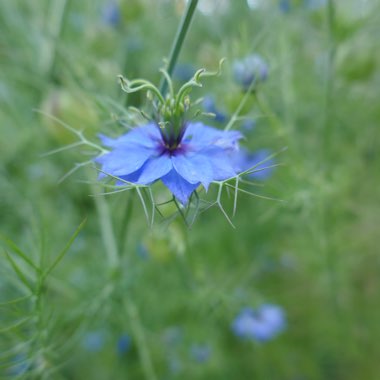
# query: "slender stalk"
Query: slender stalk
{"points": [[106, 229], [142, 347], [123, 232], [329, 80], [58, 15], [327, 214], [178, 42], [113, 253]]}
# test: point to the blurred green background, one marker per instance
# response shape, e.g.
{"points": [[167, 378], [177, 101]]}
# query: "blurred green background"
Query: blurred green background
{"points": [[167, 312]]}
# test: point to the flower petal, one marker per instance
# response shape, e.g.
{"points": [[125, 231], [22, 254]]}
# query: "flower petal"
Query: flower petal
{"points": [[220, 162], [124, 160], [199, 136], [155, 168], [178, 186], [147, 136], [132, 178], [193, 168]]}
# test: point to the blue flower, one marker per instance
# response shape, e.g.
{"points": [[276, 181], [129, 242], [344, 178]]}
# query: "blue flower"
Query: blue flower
{"points": [[111, 13], [210, 107], [250, 70], [94, 341], [261, 170], [261, 325], [314, 4], [284, 6], [248, 125], [195, 155], [173, 336], [123, 344], [183, 72], [20, 364], [200, 352]]}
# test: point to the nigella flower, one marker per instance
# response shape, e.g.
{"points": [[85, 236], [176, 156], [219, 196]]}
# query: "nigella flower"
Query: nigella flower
{"points": [[249, 71], [124, 344], [284, 6], [183, 72], [20, 364], [94, 341], [248, 125], [195, 155], [111, 13], [201, 353], [210, 106], [314, 4], [261, 325]]}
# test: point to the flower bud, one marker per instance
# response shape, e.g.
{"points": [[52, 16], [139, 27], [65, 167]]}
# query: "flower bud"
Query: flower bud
{"points": [[249, 71]]}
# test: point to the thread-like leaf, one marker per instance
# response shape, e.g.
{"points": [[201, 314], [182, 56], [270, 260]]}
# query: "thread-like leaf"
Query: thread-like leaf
{"points": [[18, 271], [18, 252], [65, 249]]}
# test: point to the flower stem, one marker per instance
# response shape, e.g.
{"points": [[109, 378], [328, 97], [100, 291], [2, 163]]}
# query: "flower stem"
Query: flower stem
{"points": [[113, 253], [329, 80], [178, 42], [147, 366], [57, 20], [106, 228]]}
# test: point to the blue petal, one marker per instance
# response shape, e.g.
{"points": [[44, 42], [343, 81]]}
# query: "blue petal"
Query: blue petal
{"points": [[107, 141], [179, 187], [198, 136], [147, 136], [220, 162], [193, 168], [124, 160], [132, 178], [155, 168]]}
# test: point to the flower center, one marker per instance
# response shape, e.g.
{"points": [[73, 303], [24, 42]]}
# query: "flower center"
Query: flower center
{"points": [[172, 136]]}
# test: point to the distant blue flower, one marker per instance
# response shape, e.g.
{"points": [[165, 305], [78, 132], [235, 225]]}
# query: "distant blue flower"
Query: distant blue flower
{"points": [[248, 125], [209, 106], [197, 154], [183, 72], [262, 324], [284, 5], [124, 344], [142, 251], [173, 336], [246, 160], [175, 364], [134, 44], [20, 364], [314, 4], [200, 352], [111, 13], [250, 71], [94, 341]]}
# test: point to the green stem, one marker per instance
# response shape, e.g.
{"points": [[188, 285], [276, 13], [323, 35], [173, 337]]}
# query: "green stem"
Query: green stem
{"points": [[123, 232], [113, 253], [138, 330], [58, 15], [329, 80], [327, 216], [178, 42], [106, 229]]}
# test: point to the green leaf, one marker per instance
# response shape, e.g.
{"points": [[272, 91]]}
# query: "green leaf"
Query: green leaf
{"points": [[18, 251], [16, 300], [15, 325], [65, 249], [18, 271]]}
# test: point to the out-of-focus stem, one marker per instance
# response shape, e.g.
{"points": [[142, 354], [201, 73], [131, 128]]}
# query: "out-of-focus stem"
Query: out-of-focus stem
{"points": [[178, 42]]}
